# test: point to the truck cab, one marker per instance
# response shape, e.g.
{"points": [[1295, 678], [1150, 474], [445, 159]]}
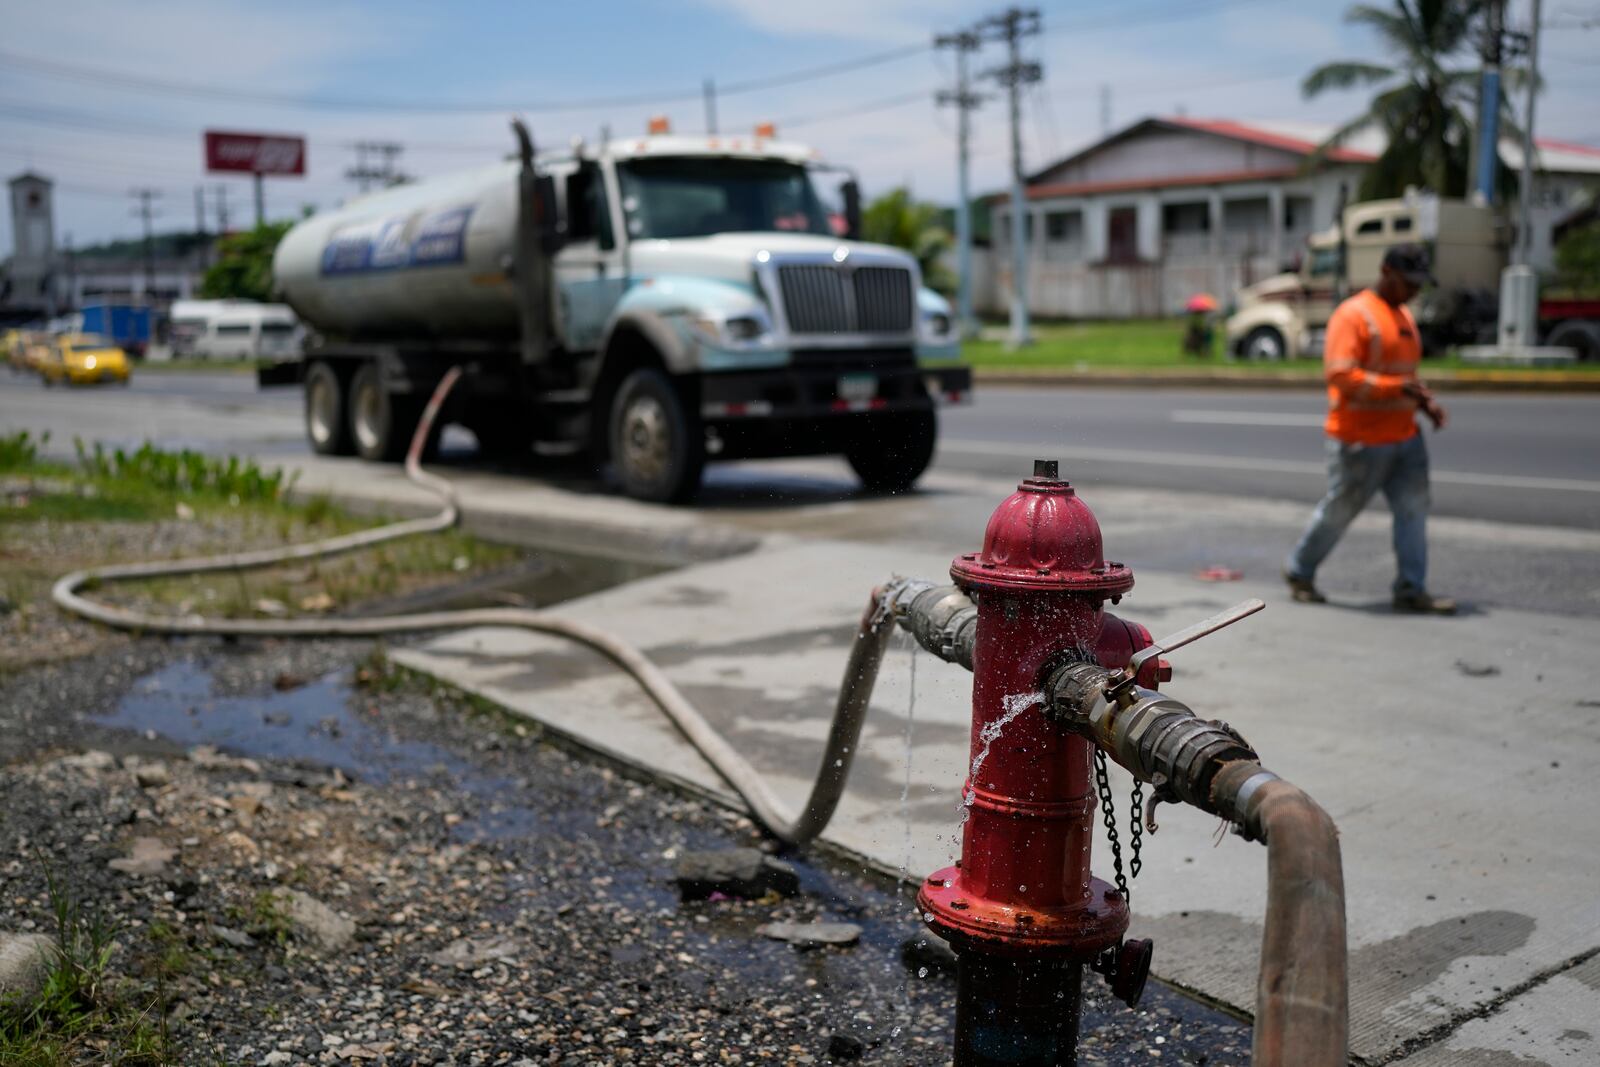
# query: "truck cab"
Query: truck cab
{"points": [[684, 300], [1286, 315]]}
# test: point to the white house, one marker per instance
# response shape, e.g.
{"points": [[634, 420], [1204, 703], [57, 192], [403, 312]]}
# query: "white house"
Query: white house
{"points": [[1133, 225]]}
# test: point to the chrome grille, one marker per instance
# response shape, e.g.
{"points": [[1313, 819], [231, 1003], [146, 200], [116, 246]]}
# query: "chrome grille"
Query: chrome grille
{"points": [[819, 298]]}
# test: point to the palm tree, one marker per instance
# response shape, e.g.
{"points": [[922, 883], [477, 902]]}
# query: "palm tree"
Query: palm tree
{"points": [[1425, 106], [896, 218]]}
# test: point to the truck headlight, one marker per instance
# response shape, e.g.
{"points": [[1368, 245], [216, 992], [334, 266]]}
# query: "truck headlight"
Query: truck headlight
{"points": [[936, 326], [747, 329]]}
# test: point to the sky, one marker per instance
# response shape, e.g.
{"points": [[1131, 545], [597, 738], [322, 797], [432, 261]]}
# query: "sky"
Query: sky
{"points": [[443, 79]]}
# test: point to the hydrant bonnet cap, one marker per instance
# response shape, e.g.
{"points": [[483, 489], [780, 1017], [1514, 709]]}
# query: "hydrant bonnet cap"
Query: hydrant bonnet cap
{"points": [[1043, 536]]}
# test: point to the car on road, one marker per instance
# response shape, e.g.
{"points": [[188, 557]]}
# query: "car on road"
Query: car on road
{"points": [[17, 348], [83, 359]]}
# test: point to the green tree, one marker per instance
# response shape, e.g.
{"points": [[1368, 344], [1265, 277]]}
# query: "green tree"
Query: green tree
{"points": [[896, 219], [1578, 259], [1425, 105], [243, 269]]}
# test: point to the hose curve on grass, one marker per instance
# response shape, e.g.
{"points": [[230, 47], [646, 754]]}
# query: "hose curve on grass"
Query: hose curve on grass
{"points": [[855, 691]]}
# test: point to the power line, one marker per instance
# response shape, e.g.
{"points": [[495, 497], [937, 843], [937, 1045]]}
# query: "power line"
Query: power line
{"points": [[195, 90]]}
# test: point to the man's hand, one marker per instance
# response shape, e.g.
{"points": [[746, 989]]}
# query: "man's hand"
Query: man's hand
{"points": [[1427, 404]]}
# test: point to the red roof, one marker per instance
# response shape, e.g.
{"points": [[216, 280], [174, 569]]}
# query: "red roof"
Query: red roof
{"points": [[1239, 131], [1567, 146], [1042, 192]]}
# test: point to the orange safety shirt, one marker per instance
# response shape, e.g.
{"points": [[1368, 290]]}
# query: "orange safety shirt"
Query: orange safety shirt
{"points": [[1371, 351]]}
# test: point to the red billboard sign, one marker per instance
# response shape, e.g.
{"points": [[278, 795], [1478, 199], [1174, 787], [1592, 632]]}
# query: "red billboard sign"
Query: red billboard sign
{"points": [[255, 153]]}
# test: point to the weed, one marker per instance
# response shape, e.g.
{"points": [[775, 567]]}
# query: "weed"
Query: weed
{"points": [[21, 449], [185, 471], [80, 1006]]}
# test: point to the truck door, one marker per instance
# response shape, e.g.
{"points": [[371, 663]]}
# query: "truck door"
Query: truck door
{"points": [[589, 274]]}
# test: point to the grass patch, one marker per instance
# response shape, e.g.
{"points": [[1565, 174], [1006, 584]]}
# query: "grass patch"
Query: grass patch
{"points": [[148, 503], [84, 1012], [1150, 345]]}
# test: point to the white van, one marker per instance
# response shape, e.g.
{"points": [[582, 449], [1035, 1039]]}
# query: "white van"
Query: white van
{"points": [[250, 331]]}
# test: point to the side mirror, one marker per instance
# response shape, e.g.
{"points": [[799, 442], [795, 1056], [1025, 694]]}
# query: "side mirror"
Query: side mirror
{"points": [[546, 216], [850, 193]]}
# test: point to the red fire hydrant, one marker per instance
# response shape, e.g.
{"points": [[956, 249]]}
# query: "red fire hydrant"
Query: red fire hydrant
{"points": [[1021, 908]]}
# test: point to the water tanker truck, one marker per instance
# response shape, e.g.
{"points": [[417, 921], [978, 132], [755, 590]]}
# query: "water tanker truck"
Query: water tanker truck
{"points": [[657, 302]]}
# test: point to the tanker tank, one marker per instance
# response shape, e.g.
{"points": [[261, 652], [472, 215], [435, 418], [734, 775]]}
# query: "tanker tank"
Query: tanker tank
{"points": [[428, 260]]}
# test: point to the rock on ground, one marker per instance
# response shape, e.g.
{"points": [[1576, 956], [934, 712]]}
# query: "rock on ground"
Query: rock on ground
{"points": [[313, 919], [736, 872], [25, 961]]}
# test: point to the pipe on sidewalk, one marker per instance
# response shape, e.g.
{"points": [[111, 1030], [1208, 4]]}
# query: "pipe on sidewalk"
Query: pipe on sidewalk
{"points": [[1302, 988], [855, 691]]}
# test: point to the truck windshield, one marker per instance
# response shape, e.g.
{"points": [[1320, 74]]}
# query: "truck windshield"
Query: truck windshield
{"points": [[696, 197]]}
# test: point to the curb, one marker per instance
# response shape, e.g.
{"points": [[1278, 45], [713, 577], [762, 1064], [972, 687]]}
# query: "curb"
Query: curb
{"points": [[1557, 382]]}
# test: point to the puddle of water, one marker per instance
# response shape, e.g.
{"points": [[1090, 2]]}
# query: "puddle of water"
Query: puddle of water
{"points": [[325, 723]]}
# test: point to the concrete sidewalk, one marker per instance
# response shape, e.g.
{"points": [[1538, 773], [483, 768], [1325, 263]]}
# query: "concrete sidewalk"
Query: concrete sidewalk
{"points": [[1460, 770]]}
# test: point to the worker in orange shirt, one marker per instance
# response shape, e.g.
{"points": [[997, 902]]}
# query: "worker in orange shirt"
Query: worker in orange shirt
{"points": [[1370, 361]]}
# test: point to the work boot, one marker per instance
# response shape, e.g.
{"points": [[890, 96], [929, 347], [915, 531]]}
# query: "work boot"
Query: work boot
{"points": [[1302, 591], [1424, 604]]}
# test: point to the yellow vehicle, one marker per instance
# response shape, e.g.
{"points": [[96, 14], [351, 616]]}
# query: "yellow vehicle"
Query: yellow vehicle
{"points": [[82, 359], [16, 348]]}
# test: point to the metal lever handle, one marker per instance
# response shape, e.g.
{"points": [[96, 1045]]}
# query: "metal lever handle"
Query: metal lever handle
{"points": [[1190, 634]]}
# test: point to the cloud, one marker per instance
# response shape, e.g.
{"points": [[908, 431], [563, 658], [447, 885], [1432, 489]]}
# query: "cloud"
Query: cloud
{"points": [[885, 22]]}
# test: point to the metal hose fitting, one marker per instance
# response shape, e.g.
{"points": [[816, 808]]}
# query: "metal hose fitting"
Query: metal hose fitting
{"points": [[942, 618], [1156, 738]]}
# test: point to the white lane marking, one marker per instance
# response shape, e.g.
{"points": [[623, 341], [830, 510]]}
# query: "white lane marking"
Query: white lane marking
{"points": [[1248, 418], [1249, 463]]}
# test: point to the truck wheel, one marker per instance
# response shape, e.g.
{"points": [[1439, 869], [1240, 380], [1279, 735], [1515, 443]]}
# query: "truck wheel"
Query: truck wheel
{"points": [[656, 446], [894, 450], [1265, 342], [381, 423], [327, 425], [1582, 337]]}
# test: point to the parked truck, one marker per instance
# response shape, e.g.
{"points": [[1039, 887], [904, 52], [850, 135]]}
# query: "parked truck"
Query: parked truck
{"points": [[128, 326], [658, 301], [1285, 316]]}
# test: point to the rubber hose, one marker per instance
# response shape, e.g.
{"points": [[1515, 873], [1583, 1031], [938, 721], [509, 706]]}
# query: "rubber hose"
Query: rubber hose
{"points": [[855, 691]]}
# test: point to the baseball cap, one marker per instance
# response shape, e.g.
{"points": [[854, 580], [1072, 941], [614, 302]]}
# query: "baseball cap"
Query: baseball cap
{"points": [[1411, 262]]}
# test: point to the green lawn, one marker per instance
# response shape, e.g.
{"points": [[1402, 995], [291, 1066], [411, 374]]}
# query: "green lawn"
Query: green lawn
{"points": [[1153, 345]]}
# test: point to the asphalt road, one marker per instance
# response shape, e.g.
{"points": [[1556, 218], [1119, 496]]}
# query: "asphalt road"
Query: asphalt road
{"points": [[1520, 459], [1182, 479]]}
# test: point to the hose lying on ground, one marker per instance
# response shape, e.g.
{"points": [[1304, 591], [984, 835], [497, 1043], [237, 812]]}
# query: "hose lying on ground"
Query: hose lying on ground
{"points": [[855, 691]]}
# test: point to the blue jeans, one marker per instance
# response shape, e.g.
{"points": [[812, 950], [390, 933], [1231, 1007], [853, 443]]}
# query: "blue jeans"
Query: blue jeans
{"points": [[1355, 473]]}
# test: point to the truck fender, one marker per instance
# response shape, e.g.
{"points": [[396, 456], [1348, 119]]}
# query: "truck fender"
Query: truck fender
{"points": [[1278, 314], [660, 334]]}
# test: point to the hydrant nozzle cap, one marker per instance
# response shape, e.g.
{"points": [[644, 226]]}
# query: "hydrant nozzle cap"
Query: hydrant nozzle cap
{"points": [[1043, 536]]}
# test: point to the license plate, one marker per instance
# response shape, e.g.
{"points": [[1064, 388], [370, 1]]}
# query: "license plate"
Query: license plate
{"points": [[858, 386]]}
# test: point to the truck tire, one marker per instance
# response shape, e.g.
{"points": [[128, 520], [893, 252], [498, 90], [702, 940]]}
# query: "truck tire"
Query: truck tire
{"points": [[894, 451], [1578, 335], [381, 423], [656, 447], [327, 420], [1264, 342]]}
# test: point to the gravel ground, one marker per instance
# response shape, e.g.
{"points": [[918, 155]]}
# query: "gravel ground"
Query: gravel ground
{"points": [[508, 901]]}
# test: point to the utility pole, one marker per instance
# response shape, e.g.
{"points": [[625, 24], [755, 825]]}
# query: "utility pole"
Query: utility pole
{"points": [[382, 170], [221, 193], [200, 224], [1488, 138], [146, 212], [711, 106], [964, 100], [1011, 27], [1529, 149], [1105, 110]]}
